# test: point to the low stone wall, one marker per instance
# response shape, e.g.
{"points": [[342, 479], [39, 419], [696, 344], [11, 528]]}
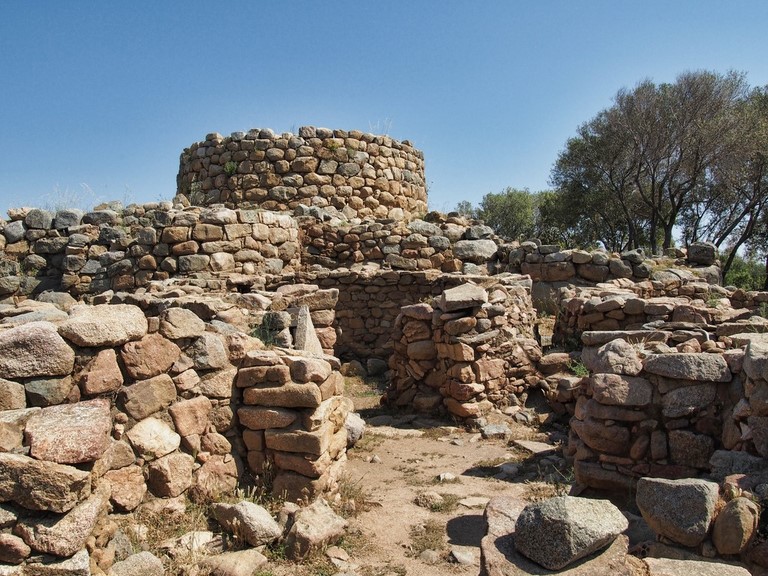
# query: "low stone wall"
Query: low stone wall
{"points": [[650, 410], [107, 405], [465, 351], [358, 174], [127, 249], [608, 307], [448, 244], [369, 302], [550, 263]]}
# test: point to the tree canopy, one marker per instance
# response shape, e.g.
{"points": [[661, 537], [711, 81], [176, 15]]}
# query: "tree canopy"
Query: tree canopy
{"points": [[688, 156]]}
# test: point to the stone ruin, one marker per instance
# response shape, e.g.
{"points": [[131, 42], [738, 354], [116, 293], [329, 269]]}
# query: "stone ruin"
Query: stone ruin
{"points": [[170, 350]]}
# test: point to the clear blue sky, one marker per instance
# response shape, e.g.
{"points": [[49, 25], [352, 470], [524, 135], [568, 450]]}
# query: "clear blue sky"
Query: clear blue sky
{"points": [[107, 94]]}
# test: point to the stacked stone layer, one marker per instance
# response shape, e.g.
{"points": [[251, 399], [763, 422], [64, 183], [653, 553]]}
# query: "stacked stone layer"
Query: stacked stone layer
{"points": [[466, 352], [110, 250], [112, 406], [293, 416], [358, 174]]}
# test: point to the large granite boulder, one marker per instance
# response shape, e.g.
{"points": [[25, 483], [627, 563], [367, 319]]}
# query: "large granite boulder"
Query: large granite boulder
{"points": [[556, 532], [681, 510]]}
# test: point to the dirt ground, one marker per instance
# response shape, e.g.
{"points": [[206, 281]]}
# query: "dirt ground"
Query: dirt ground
{"points": [[402, 457]]}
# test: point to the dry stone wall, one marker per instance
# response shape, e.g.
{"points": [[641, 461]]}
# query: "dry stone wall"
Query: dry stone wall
{"points": [[113, 407], [651, 407], [356, 174], [127, 249], [466, 351]]}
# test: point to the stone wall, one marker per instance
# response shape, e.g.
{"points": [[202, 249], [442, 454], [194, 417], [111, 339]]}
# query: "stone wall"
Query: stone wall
{"points": [[107, 405], [127, 249], [449, 244], [647, 409], [369, 302], [357, 174], [465, 351]]}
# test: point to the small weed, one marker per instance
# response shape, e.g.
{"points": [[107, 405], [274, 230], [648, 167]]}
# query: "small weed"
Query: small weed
{"points": [[435, 433], [367, 443], [230, 168], [356, 386], [352, 497], [538, 491], [713, 300], [577, 368], [763, 310], [386, 570], [267, 330], [448, 504], [427, 536]]}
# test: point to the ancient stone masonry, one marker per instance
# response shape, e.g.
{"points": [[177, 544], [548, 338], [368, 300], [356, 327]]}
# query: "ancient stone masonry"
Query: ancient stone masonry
{"points": [[650, 409], [447, 244], [465, 351], [127, 249], [123, 404], [355, 174], [614, 306]]}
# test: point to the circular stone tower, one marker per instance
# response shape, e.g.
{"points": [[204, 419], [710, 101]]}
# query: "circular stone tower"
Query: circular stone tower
{"points": [[359, 174]]}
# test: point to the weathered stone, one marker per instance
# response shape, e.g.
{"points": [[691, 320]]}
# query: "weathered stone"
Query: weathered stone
{"points": [[556, 532], [735, 525], [139, 564], [355, 427], [305, 370], [171, 475], [422, 350], [208, 352], [70, 433], [48, 391], [150, 356], [617, 390], [237, 563], [701, 367], [262, 418], [249, 521], [287, 440], [128, 487], [64, 536], [288, 396], [681, 510], [117, 455], [101, 374], [614, 357], [673, 567], [462, 297], [178, 323], [704, 253], [598, 436], [500, 558], [13, 550], [755, 363], [217, 476], [34, 349], [688, 400], [314, 528], [12, 396], [104, 325], [306, 338], [191, 416], [77, 565], [148, 396], [218, 383], [153, 438], [477, 251], [690, 449]]}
